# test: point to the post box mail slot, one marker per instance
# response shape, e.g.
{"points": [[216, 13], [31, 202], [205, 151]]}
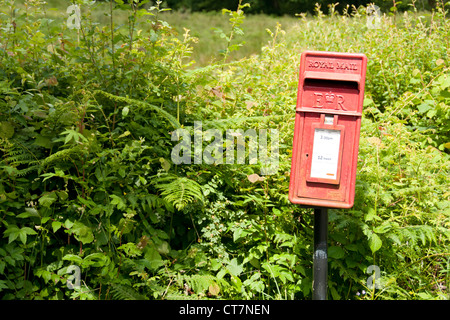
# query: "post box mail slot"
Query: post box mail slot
{"points": [[327, 126]]}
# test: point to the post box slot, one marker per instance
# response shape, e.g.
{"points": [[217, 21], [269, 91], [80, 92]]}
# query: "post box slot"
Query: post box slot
{"points": [[330, 76], [308, 82]]}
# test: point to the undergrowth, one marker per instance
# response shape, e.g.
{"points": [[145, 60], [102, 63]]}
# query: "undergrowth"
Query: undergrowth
{"points": [[87, 181]]}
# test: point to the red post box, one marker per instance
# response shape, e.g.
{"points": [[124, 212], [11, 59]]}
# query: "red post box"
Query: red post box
{"points": [[327, 126]]}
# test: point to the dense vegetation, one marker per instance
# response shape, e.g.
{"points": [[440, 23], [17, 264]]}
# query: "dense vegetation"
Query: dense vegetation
{"points": [[87, 180]]}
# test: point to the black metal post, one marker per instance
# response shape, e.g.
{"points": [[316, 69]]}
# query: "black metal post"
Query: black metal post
{"points": [[320, 258]]}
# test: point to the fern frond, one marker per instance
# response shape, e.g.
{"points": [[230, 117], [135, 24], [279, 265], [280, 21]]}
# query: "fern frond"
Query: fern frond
{"points": [[123, 292], [414, 234], [179, 296], [144, 105], [30, 168], [62, 155], [180, 191], [199, 283], [18, 158], [196, 284]]}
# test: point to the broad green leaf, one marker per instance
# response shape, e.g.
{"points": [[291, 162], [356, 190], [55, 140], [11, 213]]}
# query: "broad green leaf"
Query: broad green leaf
{"points": [[29, 212], [12, 232], [23, 237], [125, 111], [48, 199], [56, 225], [431, 113], [117, 201], [28, 230], [63, 195], [424, 107], [236, 282], [374, 242], [371, 215], [239, 233], [164, 164], [335, 252], [6, 130], [73, 258], [163, 248], [95, 259], [82, 232], [44, 142], [142, 180], [234, 268], [68, 224], [152, 259]]}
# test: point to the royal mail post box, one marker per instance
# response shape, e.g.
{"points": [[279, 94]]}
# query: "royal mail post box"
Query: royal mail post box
{"points": [[327, 126]]}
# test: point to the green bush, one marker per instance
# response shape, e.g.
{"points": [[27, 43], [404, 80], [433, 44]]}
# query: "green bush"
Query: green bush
{"points": [[88, 186]]}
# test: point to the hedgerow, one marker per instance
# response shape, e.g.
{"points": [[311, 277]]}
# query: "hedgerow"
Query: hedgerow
{"points": [[88, 186]]}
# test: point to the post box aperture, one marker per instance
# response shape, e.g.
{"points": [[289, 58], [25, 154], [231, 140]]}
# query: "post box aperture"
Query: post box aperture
{"points": [[327, 126]]}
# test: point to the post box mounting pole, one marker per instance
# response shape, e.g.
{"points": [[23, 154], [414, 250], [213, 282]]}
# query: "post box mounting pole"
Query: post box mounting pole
{"points": [[320, 258]]}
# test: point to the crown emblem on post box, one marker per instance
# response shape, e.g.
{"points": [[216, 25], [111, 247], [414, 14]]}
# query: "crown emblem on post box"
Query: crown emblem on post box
{"points": [[329, 97]]}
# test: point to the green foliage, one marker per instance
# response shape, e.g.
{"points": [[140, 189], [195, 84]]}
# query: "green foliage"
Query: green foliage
{"points": [[88, 188]]}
